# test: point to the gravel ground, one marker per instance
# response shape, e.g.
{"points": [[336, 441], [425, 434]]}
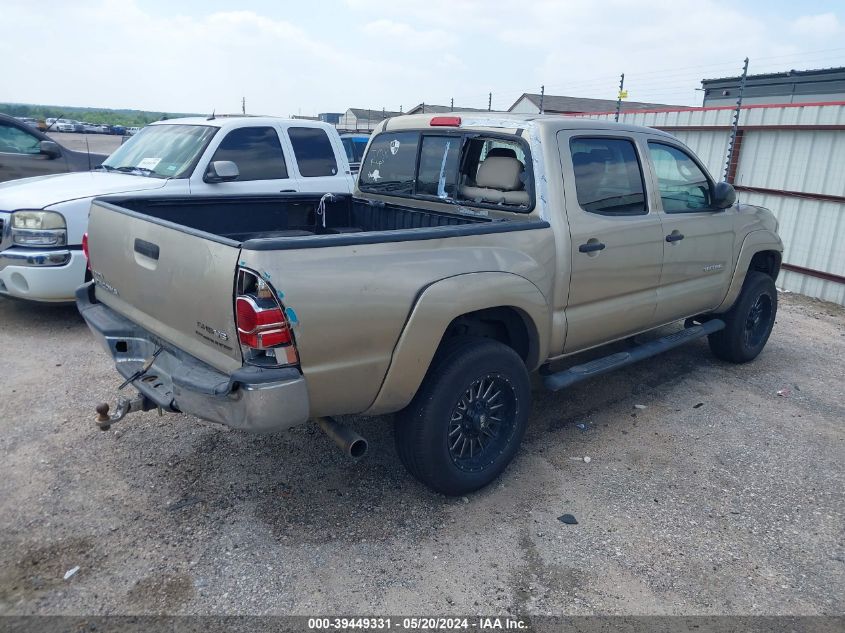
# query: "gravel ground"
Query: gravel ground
{"points": [[97, 143], [719, 497]]}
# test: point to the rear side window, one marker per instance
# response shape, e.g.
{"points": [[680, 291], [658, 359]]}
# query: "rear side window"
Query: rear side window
{"points": [[256, 151], [438, 174], [683, 185], [390, 163], [608, 176], [313, 151]]}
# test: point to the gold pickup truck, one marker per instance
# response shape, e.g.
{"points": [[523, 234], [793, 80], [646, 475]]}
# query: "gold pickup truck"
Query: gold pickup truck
{"points": [[476, 248]]}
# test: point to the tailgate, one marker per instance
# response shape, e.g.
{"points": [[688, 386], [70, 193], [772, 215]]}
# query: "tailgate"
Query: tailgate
{"points": [[176, 283]]}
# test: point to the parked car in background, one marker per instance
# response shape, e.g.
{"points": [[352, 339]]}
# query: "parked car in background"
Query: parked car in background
{"points": [[26, 152], [118, 130], [132, 131], [38, 124], [355, 144], [44, 218], [477, 249], [95, 128], [64, 125]]}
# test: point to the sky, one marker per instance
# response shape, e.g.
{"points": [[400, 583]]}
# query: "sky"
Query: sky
{"points": [[304, 58]]}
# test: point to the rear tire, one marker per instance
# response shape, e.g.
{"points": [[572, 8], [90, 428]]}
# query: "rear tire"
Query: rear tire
{"points": [[467, 420], [749, 322]]}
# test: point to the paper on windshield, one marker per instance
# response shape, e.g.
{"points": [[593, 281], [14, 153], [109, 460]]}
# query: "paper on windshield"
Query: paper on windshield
{"points": [[148, 163]]}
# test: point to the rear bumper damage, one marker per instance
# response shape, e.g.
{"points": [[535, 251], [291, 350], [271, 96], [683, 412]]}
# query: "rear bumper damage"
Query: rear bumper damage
{"points": [[253, 399]]}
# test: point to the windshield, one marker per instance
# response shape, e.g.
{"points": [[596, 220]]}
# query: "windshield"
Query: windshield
{"points": [[161, 151]]}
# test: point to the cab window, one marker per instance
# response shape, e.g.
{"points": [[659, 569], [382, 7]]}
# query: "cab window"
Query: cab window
{"points": [[390, 164], [683, 185], [438, 171], [469, 169], [608, 176], [493, 173]]}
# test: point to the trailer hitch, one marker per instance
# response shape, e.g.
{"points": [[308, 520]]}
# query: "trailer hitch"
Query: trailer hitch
{"points": [[124, 407]]}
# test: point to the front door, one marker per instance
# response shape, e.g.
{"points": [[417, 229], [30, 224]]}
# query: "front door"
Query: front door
{"points": [[21, 156], [616, 240], [698, 238], [257, 151]]}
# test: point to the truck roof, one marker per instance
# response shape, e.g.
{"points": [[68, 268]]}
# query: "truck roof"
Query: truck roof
{"points": [[511, 120], [226, 122]]}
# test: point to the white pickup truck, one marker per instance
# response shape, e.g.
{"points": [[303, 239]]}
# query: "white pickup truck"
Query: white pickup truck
{"points": [[43, 219]]}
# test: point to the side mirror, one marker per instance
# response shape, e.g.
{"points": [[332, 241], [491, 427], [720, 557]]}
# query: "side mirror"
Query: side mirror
{"points": [[49, 148], [221, 171], [724, 195]]}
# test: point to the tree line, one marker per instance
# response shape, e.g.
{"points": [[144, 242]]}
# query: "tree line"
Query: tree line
{"points": [[100, 116]]}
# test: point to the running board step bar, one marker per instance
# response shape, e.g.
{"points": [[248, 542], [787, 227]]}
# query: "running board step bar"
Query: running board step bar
{"points": [[568, 377]]}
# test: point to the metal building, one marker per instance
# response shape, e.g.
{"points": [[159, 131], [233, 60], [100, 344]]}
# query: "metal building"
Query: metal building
{"points": [[791, 86], [789, 158]]}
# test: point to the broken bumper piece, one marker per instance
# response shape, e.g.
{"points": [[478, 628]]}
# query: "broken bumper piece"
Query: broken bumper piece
{"points": [[253, 399]]}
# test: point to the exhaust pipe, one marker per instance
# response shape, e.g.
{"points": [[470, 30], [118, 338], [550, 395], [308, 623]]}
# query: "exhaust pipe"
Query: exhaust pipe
{"points": [[348, 440]]}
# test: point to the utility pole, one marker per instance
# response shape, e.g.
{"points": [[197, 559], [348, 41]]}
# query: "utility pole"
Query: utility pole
{"points": [[735, 127], [489, 101], [452, 105], [423, 107], [243, 105], [542, 96], [619, 96]]}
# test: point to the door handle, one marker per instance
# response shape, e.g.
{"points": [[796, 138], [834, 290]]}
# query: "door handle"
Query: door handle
{"points": [[591, 247], [287, 190], [674, 236]]}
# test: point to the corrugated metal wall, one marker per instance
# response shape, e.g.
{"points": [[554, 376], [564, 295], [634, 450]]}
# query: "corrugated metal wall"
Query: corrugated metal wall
{"points": [[792, 161]]}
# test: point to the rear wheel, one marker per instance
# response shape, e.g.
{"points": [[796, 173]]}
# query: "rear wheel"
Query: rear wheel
{"points": [[749, 322], [465, 424]]}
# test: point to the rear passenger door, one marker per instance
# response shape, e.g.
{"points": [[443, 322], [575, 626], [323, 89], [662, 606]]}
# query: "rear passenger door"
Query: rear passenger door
{"points": [[316, 162], [261, 161], [698, 238], [616, 239]]}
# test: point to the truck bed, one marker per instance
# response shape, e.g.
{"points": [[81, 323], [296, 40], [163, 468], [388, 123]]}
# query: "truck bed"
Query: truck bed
{"points": [[169, 265], [281, 221]]}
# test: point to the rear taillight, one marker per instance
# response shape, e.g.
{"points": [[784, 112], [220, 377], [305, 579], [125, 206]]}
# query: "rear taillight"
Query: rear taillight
{"points": [[264, 331], [260, 327], [85, 250]]}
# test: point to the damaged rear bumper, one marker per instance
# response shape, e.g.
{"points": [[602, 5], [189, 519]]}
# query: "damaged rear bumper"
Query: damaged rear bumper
{"points": [[252, 398]]}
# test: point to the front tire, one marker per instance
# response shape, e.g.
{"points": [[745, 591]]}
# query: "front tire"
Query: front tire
{"points": [[467, 420], [749, 322]]}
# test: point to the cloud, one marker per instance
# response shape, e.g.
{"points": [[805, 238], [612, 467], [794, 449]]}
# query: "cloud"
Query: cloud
{"points": [[824, 25], [120, 55], [388, 35], [287, 59]]}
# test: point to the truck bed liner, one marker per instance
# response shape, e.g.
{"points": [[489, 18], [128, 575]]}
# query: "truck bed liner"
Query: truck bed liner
{"points": [[291, 215]]}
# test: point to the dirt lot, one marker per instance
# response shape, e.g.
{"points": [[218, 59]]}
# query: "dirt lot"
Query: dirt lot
{"points": [[720, 496], [97, 143]]}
